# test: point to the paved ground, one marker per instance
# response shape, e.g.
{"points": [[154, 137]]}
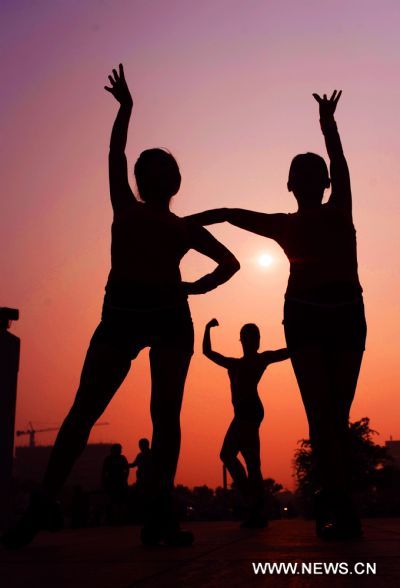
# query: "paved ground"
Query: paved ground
{"points": [[222, 556]]}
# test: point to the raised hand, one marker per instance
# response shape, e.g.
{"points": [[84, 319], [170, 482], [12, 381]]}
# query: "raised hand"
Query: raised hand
{"points": [[119, 88], [212, 323], [327, 106]]}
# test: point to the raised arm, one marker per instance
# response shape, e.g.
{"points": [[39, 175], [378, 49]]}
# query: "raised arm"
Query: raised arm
{"points": [[267, 225], [120, 191], [202, 241], [207, 348], [340, 177]]}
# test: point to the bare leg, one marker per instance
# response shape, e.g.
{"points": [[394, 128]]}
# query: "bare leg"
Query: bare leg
{"points": [[229, 456], [344, 368], [250, 449], [327, 382], [104, 370], [169, 367], [315, 388]]}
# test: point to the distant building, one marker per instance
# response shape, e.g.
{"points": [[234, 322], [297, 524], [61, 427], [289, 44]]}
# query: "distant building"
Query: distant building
{"points": [[30, 464], [393, 448]]}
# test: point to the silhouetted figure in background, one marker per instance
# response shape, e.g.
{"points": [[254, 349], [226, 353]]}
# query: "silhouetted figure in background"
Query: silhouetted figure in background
{"points": [[143, 464], [243, 433], [324, 313], [145, 305], [114, 480], [114, 477]]}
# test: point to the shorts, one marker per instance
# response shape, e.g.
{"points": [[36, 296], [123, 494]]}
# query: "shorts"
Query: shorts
{"points": [[325, 328], [132, 330]]}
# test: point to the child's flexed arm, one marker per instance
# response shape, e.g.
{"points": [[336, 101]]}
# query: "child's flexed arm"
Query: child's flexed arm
{"points": [[340, 177], [274, 356], [207, 348]]}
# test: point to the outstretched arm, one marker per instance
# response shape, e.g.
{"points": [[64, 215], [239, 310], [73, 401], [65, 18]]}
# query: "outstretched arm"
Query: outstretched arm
{"points": [[120, 191], [340, 177], [207, 349], [267, 225], [275, 356], [228, 265]]}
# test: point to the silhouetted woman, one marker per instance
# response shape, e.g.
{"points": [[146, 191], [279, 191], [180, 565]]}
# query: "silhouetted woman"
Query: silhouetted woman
{"points": [[324, 313], [243, 434], [145, 305]]}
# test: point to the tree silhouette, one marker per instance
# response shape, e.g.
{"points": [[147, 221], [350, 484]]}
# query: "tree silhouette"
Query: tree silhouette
{"points": [[369, 464]]}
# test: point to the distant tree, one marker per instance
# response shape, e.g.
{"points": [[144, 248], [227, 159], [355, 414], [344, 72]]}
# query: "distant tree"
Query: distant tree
{"points": [[368, 460], [272, 487], [183, 493]]}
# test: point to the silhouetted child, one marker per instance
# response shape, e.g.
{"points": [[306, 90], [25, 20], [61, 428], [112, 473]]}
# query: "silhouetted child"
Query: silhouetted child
{"points": [[243, 433]]}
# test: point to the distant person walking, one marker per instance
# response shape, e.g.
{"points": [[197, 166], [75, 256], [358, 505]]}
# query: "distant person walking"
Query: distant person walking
{"points": [[145, 305], [324, 313], [243, 433]]}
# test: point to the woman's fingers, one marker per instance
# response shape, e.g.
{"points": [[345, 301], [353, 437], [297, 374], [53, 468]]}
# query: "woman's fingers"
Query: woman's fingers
{"points": [[336, 100], [108, 89], [116, 77], [328, 104]]}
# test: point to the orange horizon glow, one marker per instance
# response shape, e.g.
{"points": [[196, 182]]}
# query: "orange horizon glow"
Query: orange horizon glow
{"points": [[227, 87]]}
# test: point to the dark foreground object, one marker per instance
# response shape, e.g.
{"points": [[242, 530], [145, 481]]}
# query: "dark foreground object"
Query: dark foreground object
{"points": [[222, 555]]}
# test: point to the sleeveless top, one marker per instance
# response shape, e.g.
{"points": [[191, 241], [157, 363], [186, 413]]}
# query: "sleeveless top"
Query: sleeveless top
{"points": [[146, 249], [321, 246]]}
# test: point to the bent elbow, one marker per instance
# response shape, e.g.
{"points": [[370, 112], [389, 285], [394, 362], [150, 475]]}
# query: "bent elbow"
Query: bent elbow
{"points": [[229, 266], [234, 265]]}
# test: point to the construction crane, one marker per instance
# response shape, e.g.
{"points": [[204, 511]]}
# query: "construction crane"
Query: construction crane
{"points": [[32, 432]]}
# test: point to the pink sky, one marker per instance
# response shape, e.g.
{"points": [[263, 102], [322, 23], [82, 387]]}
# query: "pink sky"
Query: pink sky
{"points": [[226, 86]]}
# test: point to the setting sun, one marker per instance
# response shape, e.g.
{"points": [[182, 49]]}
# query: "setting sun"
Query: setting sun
{"points": [[265, 260]]}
